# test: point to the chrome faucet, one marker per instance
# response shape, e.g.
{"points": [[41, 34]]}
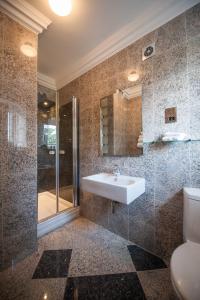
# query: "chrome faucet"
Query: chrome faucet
{"points": [[116, 171]]}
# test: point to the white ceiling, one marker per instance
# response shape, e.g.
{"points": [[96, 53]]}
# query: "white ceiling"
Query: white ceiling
{"points": [[95, 30]]}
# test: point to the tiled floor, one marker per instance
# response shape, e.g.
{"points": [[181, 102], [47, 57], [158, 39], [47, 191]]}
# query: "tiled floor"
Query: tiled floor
{"points": [[144, 260], [53, 264], [93, 264], [107, 287]]}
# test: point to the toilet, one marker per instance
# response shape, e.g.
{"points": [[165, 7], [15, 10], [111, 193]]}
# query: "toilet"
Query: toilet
{"points": [[185, 260]]}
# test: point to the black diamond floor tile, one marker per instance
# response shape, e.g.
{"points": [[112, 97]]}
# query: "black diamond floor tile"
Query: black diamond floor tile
{"points": [[144, 260], [53, 264], [124, 286]]}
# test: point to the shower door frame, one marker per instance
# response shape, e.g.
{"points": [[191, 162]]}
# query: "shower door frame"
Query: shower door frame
{"points": [[75, 154], [75, 151]]}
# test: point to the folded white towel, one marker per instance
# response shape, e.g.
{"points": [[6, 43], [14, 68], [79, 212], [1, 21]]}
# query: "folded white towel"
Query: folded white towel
{"points": [[175, 136], [140, 145]]}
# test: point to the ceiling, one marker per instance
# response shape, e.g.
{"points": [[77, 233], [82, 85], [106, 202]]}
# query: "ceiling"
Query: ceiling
{"points": [[96, 29]]}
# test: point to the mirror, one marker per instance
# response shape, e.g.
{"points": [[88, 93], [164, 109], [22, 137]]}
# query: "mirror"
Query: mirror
{"points": [[121, 123]]}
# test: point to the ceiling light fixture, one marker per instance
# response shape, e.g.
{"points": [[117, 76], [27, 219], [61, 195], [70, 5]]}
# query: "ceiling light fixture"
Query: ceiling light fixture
{"points": [[28, 50], [61, 7], [133, 76]]}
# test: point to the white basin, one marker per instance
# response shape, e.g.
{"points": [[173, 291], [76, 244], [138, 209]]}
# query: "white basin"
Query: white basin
{"points": [[124, 189]]}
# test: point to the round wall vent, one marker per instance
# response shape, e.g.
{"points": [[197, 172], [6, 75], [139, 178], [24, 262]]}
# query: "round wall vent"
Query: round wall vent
{"points": [[148, 51]]}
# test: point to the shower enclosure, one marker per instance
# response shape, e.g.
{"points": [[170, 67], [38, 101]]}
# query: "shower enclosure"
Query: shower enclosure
{"points": [[57, 154]]}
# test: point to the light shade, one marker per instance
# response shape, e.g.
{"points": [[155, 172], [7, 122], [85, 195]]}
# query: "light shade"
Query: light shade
{"points": [[28, 50], [133, 76], [61, 7]]}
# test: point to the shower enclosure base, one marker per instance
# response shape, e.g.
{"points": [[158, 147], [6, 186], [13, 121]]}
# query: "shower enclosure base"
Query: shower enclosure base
{"points": [[47, 205], [57, 221]]}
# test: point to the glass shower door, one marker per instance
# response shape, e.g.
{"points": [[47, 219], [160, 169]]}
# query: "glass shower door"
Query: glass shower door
{"points": [[68, 163], [47, 132], [57, 155]]}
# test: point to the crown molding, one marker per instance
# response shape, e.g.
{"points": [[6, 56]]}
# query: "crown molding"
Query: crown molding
{"points": [[46, 81], [130, 33], [25, 14]]}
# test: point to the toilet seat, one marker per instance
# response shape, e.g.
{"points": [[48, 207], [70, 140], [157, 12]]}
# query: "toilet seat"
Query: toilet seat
{"points": [[185, 271]]}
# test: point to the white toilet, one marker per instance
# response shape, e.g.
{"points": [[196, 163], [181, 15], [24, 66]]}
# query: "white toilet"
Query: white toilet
{"points": [[185, 260]]}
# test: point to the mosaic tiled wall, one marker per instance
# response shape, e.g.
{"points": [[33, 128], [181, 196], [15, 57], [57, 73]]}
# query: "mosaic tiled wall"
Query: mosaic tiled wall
{"points": [[18, 140], [170, 78]]}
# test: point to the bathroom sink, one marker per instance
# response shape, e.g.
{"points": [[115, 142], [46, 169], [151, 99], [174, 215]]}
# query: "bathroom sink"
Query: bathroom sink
{"points": [[124, 189]]}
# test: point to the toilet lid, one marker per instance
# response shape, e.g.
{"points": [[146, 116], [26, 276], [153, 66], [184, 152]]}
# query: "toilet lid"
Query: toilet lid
{"points": [[185, 270]]}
